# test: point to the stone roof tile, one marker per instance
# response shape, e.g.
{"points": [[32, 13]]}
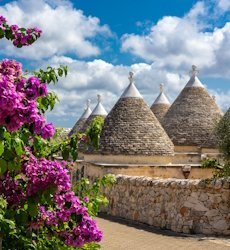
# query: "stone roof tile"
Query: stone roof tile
{"points": [[78, 126], [132, 129], [191, 119], [160, 105]]}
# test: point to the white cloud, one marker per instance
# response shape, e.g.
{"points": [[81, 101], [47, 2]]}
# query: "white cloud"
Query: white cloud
{"points": [[176, 43], [222, 98], [65, 29], [87, 79], [169, 49], [224, 5]]}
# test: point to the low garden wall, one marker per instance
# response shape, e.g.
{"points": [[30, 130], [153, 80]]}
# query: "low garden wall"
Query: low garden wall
{"points": [[180, 205]]}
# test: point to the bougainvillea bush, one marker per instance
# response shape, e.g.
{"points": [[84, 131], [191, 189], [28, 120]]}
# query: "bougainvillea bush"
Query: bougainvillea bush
{"points": [[38, 209]]}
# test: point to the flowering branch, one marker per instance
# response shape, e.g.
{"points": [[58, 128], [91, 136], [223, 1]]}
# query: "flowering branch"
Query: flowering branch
{"points": [[20, 36]]}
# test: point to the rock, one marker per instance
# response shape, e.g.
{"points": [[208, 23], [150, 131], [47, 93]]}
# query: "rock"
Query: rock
{"points": [[179, 205], [203, 197], [211, 213], [221, 225], [184, 211]]}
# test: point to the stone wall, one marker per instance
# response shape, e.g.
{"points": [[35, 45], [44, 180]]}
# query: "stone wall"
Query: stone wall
{"points": [[171, 171], [188, 206]]}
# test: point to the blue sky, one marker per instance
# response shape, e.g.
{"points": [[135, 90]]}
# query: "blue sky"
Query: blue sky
{"points": [[101, 41]]}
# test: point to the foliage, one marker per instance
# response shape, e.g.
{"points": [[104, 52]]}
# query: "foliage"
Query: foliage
{"points": [[93, 133], [65, 147], [92, 193], [7, 226], [19, 36], [210, 163], [38, 210], [223, 134], [50, 75], [223, 171], [90, 139]]}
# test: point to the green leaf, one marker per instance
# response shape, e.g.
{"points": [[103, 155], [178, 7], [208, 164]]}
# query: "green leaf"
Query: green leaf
{"points": [[60, 72], [3, 166], [1, 147], [21, 218], [8, 155], [18, 146], [2, 33], [8, 34], [7, 135], [65, 154], [11, 165], [53, 77], [32, 208], [74, 154], [65, 68]]}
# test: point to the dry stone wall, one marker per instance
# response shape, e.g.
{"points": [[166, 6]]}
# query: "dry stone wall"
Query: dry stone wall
{"points": [[188, 206]]}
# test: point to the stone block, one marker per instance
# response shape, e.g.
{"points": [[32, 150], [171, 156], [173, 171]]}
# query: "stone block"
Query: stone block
{"points": [[212, 213], [220, 225]]}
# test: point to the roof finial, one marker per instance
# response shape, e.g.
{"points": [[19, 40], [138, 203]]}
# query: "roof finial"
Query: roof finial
{"points": [[88, 103], [195, 71], [131, 79], [161, 87], [98, 98]]}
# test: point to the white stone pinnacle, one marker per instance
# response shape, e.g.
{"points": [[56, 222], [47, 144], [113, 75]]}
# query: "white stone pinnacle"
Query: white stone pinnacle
{"points": [[131, 90], [194, 81], [99, 109], [161, 99], [87, 111]]}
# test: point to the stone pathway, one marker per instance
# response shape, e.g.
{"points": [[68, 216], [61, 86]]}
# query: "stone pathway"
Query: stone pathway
{"points": [[120, 234]]}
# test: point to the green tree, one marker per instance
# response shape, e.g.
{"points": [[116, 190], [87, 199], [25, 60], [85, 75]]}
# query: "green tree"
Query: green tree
{"points": [[223, 134]]}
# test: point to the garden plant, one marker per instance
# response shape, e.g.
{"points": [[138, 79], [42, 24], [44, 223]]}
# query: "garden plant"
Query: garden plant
{"points": [[38, 207], [223, 134]]}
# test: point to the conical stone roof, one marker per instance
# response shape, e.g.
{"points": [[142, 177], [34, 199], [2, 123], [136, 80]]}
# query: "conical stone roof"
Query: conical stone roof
{"points": [[99, 110], [160, 105], [81, 121], [132, 129], [191, 119]]}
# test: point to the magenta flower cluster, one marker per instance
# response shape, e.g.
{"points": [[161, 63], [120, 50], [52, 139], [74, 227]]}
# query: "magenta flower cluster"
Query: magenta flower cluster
{"points": [[42, 174], [84, 229], [38, 175], [19, 36], [18, 100], [11, 189], [62, 213]]}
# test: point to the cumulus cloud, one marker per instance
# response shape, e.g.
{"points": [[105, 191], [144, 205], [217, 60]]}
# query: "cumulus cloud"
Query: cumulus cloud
{"points": [[87, 79], [168, 50], [222, 98], [224, 5], [176, 43], [65, 29]]}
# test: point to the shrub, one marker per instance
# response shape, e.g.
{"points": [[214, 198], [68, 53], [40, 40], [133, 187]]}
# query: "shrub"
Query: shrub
{"points": [[38, 209]]}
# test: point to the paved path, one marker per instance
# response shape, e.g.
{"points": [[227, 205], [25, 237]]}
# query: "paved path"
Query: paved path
{"points": [[121, 235]]}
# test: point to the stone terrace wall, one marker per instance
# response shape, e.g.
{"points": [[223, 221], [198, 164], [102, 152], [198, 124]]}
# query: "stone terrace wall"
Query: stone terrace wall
{"points": [[188, 206]]}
